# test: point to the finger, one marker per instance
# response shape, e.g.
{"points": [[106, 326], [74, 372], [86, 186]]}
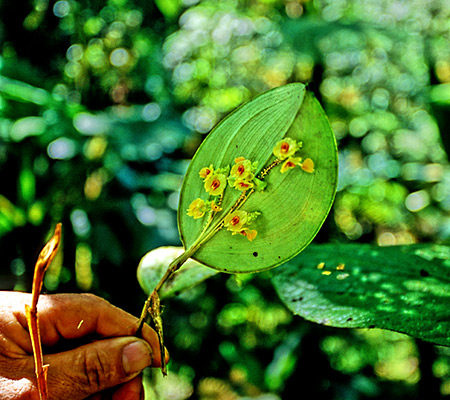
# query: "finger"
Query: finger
{"points": [[77, 315], [73, 316], [89, 369], [132, 390], [97, 396]]}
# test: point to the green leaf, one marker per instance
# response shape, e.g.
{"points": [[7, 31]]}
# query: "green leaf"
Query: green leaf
{"points": [[292, 207], [24, 92], [10, 215], [27, 185], [154, 264], [27, 126], [169, 8], [402, 288], [284, 362]]}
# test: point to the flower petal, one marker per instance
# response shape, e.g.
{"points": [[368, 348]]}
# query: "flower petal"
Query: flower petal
{"points": [[197, 209], [206, 172], [235, 220], [242, 184], [285, 148], [290, 163], [308, 165], [215, 184]]}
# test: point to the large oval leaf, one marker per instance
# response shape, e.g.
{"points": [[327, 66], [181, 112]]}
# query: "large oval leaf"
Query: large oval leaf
{"points": [[401, 288], [294, 204]]}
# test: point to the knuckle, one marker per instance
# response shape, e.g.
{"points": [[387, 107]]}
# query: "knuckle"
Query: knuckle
{"points": [[92, 298], [96, 373]]}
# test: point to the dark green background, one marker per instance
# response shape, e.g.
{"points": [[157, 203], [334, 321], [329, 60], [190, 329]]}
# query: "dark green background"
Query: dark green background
{"points": [[103, 103]]}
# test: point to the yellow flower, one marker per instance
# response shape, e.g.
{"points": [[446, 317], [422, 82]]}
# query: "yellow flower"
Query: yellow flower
{"points": [[242, 169], [308, 165], [250, 234], [290, 163], [285, 148], [215, 207], [206, 172], [235, 221], [215, 184], [242, 184], [197, 209]]}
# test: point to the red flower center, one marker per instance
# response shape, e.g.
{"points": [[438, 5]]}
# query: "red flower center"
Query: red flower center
{"points": [[235, 220], [215, 184], [285, 147]]}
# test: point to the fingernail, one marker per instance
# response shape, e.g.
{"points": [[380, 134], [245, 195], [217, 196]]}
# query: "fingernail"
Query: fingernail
{"points": [[136, 356]]}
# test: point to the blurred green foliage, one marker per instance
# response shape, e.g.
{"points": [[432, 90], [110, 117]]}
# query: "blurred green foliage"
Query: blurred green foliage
{"points": [[103, 103]]}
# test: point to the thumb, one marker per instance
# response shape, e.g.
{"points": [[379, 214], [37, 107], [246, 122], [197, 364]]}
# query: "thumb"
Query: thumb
{"points": [[89, 369]]}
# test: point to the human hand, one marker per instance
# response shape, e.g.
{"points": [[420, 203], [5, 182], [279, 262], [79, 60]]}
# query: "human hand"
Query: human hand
{"points": [[87, 342]]}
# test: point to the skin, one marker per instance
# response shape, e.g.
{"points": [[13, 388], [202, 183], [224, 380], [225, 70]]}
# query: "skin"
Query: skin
{"points": [[84, 339]]}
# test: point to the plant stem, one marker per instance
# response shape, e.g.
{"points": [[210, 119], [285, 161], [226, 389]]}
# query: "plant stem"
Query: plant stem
{"points": [[266, 170], [174, 266], [152, 304], [45, 258]]}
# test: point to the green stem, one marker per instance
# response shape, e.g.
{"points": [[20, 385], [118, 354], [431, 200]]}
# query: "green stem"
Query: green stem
{"points": [[174, 266], [269, 168]]}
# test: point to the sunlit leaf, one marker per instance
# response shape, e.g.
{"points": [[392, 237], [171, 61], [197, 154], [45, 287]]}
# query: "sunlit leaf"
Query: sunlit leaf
{"points": [[284, 362], [169, 8], [10, 215], [27, 126], [401, 288], [24, 92], [27, 185], [294, 204], [154, 264]]}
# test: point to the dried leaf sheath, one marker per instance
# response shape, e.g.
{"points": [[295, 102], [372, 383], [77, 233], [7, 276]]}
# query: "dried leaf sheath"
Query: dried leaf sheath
{"points": [[45, 257], [155, 313]]}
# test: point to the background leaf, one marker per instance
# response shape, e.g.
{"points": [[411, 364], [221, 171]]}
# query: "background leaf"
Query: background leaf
{"points": [[155, 263], [293, 206], [400, 288]]}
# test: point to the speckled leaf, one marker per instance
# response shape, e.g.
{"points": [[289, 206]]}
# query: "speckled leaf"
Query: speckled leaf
{"points": [[294, 204], [402, 288], [154, 264]]}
